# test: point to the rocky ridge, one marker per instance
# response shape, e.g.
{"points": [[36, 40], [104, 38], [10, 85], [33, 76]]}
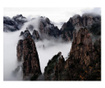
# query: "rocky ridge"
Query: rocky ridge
{"points": [[13, 24], [90, 21], [83, 63], [47, 30]]}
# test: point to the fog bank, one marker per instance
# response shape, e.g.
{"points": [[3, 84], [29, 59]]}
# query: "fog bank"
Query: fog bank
{"points": [[46, 50], [10, 58]]}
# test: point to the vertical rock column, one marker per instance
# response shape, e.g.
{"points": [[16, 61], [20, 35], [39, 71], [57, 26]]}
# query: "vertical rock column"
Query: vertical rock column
{"points": [[31, 66], [84, 59]]}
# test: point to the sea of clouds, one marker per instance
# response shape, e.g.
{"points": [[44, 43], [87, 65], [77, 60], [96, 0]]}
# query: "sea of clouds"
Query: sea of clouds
{"points": [[46, 50]]}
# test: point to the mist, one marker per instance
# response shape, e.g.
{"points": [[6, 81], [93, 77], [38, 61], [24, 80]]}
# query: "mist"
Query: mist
{"points": [[10, 58], [46, 50]]}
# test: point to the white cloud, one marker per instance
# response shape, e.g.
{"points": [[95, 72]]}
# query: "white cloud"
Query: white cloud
{"points": [[56, 15], [93, 10], [45, 53]]}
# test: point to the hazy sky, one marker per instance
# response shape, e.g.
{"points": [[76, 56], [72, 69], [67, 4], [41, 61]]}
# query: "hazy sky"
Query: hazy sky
{"points": [[54, 14]]}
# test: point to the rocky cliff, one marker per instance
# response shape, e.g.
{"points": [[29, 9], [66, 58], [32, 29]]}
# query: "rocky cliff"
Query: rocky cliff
{"points": [[90, 21], [47, 29], [84, 60], [54, 67], [83, 63], [26, 51]]}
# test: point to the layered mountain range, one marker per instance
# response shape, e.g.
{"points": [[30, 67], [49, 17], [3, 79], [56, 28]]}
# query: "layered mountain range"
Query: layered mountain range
{"points": [[47, 30], [84, 60], [13, 24]]}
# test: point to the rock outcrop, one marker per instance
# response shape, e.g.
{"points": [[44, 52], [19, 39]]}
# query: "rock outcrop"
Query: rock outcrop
{"points": [[47, 29], [89, 21], [36, 35], [25, 34], [13, 24], [27, 51], [54, 67], [20, 50], [20, 20], [83, 63]]}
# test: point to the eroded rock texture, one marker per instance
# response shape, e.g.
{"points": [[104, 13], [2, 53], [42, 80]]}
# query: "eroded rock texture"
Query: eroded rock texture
{"points": [[83, 63], [20, 50], [89, 21], [31, 67], [54, 67], [47, 29]]}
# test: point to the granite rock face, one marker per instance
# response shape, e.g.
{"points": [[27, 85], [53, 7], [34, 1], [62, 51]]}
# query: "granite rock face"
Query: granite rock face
{"points": [[27, 51], [83, 63], [83, 58], [54, 67], [19, 50], [47, 29], [89, 21]]}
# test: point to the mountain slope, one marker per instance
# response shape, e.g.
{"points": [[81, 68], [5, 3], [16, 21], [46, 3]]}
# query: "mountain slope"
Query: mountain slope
{"points": [[83, 63], [44, 29]]}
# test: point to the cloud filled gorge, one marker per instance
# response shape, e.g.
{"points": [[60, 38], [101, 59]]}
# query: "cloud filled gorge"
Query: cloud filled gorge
{"points": [[46, 50], [48, 39]]}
